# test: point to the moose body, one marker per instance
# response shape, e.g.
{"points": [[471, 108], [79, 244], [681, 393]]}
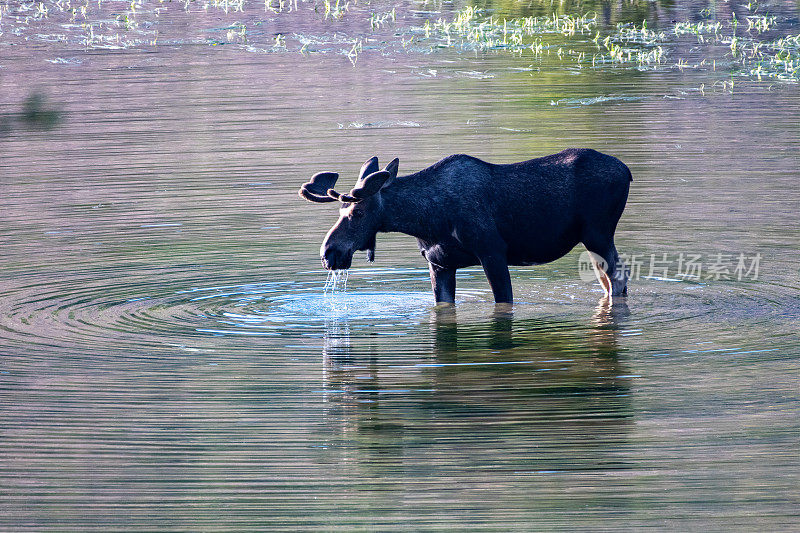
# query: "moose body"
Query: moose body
{"points": [[466, 212]]}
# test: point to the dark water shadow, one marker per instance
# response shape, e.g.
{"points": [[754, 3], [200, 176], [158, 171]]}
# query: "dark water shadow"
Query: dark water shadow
{"points": [[37, 114], [525, 395]]}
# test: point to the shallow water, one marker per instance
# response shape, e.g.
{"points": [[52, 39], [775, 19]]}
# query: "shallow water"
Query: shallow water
{"points": [[170, 358]]}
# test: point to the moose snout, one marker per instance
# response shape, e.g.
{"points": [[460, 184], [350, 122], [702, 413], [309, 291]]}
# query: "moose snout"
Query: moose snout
{"points": [[336, 259]]}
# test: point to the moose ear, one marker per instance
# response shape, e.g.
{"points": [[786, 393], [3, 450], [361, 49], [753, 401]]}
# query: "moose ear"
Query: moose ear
{"points": [[369, 166], [316, 190], [392, 167], [370, 185]]}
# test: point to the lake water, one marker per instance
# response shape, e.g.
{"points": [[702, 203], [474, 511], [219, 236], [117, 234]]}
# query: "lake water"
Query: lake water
{"points": [[169, 359]]}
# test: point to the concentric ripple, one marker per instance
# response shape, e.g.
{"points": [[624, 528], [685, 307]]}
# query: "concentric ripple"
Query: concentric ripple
{"points": [[266, 312], [104, 314]]}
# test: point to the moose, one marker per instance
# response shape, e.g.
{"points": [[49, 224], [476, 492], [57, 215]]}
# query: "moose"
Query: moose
{"points": [[465, 212]]}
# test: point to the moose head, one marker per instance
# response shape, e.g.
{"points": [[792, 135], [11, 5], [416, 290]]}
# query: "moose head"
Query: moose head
{"points": [[359, 213]]}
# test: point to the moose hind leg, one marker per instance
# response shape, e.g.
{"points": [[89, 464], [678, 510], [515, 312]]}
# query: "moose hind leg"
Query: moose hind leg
{"points": [[443, 282], [610, 271]]}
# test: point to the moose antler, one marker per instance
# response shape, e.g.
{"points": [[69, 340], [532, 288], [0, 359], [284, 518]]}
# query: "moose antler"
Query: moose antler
{"points": [[370, 180], [317, 189]]}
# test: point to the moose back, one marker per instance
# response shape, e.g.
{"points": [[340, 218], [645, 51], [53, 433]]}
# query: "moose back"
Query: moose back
{"points": [[466, 212]]}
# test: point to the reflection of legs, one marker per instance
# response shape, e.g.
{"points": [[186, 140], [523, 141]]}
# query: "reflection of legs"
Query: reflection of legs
{"points": [[501, 327], [610, 272], [443, 282], [445, 333], [610, 312]]}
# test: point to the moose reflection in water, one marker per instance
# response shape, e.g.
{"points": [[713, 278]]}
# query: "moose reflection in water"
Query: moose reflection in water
{"points": [[466, 212], [472, 403]]}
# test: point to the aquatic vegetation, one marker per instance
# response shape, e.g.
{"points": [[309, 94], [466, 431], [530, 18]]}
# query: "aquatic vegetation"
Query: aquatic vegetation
{"points": [[280, 6], [778, 59], [336, 11], [760, 23], [759, 45], [566, 38], [378, 20], [352, 54], [698, 29], [470, 29], [238, 32], [224, 5]]}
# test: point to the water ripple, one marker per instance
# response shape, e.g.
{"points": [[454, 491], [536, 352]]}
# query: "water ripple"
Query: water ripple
{"points": [[98, 312]]}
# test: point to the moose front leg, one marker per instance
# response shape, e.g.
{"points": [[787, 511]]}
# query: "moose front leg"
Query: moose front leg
{"points": [[496, 269], [443, 281]]}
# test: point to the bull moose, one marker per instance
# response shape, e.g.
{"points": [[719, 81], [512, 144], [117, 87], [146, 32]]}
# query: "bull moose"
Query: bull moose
{"points": [[465, 211]]}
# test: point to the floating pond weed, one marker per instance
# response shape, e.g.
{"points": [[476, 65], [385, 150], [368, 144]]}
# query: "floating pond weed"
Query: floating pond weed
{"points": [[337, 10], [378, 20], [280, 6], [760, 23], [758, 45], [566, 37]]}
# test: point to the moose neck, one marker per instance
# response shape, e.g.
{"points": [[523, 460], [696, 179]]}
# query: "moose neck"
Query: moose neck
{"points": [[407, 207]]}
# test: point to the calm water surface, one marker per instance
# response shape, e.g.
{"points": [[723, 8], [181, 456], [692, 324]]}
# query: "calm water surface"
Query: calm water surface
{"points": [[169, 360]]}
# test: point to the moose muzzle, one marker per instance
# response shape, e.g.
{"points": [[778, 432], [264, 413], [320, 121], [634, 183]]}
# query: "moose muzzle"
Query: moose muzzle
{"points": [[334, 258]]}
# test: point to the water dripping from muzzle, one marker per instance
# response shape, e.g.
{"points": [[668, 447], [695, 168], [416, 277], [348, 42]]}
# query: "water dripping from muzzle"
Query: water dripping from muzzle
{"points": [[335, 291], [336, 282]]}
